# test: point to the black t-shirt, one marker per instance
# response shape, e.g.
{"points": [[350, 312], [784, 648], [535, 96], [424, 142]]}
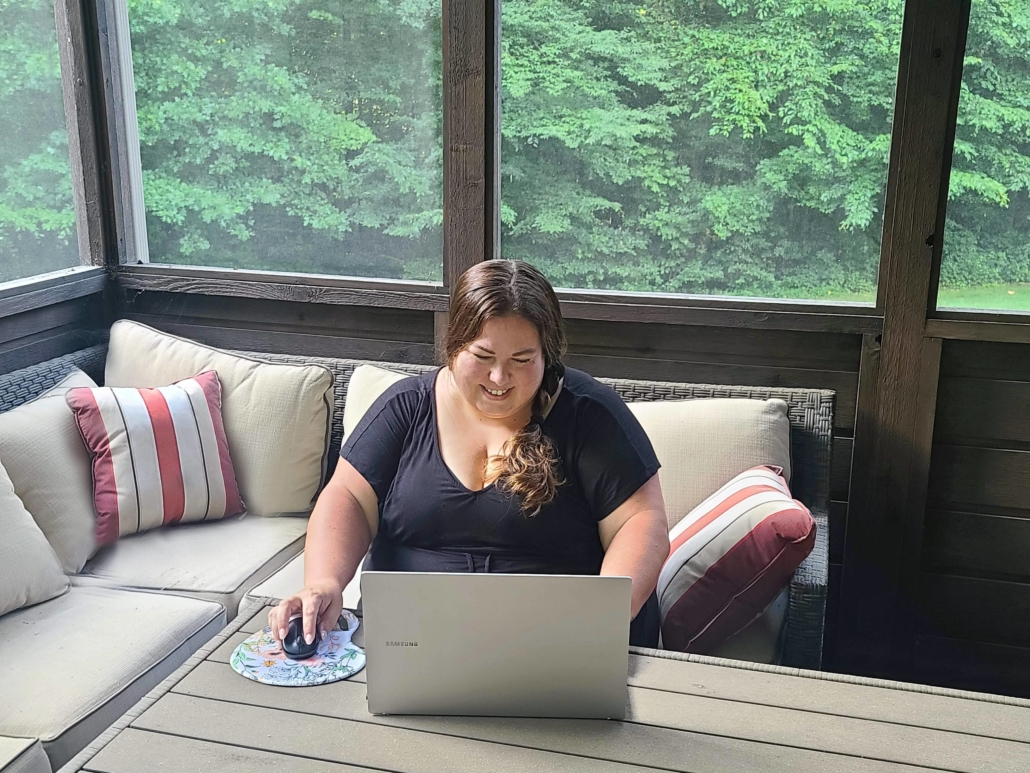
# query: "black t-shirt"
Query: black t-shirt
{"points": [[430, 522]]}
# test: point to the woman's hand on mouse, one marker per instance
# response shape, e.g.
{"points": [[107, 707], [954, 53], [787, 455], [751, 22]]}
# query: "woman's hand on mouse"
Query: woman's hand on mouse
{"points": [[320, 604]]}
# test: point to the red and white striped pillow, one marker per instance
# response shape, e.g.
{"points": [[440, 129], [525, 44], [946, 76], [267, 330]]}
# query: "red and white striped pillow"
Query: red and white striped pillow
{"points": [[729, 558], [160, 456]]}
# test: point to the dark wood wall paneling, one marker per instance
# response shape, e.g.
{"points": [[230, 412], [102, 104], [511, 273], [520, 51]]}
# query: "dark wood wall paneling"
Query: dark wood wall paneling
{"points": [[324, 330], [974, 579], [52, 318]]}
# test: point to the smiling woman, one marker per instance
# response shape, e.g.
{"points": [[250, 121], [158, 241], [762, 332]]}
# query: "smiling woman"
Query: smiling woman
{"points": [[501, 461]]}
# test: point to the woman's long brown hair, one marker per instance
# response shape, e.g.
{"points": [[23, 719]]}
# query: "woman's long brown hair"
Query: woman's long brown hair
{"points": [[527, 466]]}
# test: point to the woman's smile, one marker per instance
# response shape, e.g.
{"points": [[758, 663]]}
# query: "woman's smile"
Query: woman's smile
{"points": [[496, 394]]}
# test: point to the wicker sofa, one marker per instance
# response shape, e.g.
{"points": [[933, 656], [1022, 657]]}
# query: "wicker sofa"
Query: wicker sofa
{"points": [[204, 600]]}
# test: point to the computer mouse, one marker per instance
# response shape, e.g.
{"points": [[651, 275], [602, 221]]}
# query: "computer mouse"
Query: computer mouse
{"points": [[294, 646]]}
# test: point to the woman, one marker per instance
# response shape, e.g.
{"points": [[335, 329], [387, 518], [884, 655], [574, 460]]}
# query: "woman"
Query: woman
{"points": [[500, 461]]}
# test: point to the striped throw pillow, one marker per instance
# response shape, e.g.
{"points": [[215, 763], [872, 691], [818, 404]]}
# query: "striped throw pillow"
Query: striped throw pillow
{"points": [[159, 456], [729, 558]]}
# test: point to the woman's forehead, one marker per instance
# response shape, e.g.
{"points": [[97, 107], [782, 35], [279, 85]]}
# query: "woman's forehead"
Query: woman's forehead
{"points": [[509, 333]]}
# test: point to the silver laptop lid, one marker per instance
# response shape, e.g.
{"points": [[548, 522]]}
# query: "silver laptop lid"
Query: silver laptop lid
{"points": [[516, 645]]}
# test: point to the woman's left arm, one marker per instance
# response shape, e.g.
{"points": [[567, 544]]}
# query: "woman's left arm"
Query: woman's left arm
{"points": [[635, 537]]}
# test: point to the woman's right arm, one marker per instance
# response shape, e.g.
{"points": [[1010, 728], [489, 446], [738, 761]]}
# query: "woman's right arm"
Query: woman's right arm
{"points": [[340, 530]]}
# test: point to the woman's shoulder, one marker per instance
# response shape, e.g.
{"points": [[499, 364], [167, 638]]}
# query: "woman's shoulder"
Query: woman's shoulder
{"points": [[410, 389], [584, 389]]}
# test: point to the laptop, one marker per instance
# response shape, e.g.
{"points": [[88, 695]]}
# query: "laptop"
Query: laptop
{"points": [[505, 645]]}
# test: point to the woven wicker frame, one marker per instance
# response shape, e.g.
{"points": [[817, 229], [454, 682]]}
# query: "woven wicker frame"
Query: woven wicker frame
{"points": [[811, 422]]}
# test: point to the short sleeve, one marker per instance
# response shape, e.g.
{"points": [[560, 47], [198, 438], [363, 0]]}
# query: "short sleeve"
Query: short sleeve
{"points": [[374, 447], [614, 455]]}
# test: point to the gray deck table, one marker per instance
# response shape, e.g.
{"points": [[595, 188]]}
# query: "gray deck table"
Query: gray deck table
{"points": [[686, 713]]}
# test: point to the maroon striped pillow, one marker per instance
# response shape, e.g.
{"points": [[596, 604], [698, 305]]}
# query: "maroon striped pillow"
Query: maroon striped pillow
{"points": [[159, 455], [729, 558]]}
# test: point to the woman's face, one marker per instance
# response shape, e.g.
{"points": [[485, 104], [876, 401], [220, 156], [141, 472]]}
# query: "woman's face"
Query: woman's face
{"points": [[500, 372]]}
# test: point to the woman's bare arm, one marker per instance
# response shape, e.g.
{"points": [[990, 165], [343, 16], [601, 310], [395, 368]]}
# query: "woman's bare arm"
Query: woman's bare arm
{"points": [[636, 541], [340, 530]]}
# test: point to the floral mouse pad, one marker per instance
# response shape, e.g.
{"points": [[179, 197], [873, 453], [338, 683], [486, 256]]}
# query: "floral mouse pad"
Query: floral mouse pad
{"points": [[260, 658]]}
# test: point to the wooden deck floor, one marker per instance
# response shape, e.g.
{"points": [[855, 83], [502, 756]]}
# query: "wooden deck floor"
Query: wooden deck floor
{"points": [[683, 717]]}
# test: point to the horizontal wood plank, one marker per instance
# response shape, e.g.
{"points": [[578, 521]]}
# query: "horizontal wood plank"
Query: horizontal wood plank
{"points": [[296, 343], [770, 348], [44, 346], [967, 665], [137, 750], [73, 285], [901, 707], [985, 360], [957, 715], [646, 737], [368, 744], [978, 330], [235, 285], [287, 316], [983, 409], [726, 316], [967, 475], [974, 609], [85, 312], [977, 542]]}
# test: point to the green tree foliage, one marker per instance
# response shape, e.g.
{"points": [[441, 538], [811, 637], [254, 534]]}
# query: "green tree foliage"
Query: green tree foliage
{"points": [[37, 216], [713, 146]]}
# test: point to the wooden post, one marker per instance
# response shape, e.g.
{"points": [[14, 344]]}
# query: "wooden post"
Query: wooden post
{"points": [[892, 458], [471, 140], [75, 30]]}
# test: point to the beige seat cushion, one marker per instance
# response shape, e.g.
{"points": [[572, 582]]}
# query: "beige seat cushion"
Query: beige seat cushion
{"points": [[365, 385], [29, 570], [217, 561], [277, 417], [290, 579], [43, 452], [704, 443], [83, 659], [23, 755]]}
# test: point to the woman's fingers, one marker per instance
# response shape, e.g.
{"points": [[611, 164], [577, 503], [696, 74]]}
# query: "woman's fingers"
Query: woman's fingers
{"points": [[279, 616], [331, 613], [313, 604]]}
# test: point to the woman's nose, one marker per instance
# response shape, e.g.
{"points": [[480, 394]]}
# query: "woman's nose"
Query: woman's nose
{"points": [[498, 375]]}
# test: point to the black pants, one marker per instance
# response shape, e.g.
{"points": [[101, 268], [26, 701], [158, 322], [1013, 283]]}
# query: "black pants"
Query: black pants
{"points": [[643, 631]]}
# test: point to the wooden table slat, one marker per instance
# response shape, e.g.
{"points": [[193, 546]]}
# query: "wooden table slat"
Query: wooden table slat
{"points": [[175, 754], [976, 718], [354, 743], [992, 720], [663, 732]]}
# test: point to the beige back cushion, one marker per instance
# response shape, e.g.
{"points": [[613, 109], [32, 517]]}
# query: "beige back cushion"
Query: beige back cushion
{"points": [[365, 385], [47, 461], [703, 443], [29, 570], [276, 416]]}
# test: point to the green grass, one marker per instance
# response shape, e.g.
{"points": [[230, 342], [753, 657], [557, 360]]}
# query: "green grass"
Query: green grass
{"points": [[1014, 297]]}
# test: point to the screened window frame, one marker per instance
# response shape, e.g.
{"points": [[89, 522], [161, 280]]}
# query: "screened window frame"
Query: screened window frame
{"points": [[107, 206]]}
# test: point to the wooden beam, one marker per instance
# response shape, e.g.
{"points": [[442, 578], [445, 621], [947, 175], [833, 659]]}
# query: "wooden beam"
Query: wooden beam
{"points": [[979, 330], [432, 297], [343, 292], [75, 30], [465, 111], [74, 285], [726, 316], [889, 459]]}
